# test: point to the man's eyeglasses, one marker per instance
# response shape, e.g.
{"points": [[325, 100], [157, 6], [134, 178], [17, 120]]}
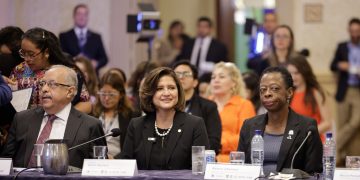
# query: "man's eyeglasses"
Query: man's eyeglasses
{"points": [[109, 94], [30, 55], [52, 84], [184, 74]]}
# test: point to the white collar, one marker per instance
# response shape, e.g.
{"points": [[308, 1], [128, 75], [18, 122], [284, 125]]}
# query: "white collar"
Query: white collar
{"points": [[64, 113], [78, 30]]}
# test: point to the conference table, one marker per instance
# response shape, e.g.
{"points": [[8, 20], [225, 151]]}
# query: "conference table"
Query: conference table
{"points": [[142, 175]]}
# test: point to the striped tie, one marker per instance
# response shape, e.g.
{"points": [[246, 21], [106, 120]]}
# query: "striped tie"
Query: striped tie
{"points": [[44, 135]]}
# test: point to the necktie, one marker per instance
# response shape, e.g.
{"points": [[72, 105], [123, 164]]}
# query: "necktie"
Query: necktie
{"points": [[44, 135], [82, 40], [199, 54]]}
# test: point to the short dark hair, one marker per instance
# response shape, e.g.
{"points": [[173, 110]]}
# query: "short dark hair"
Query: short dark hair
{"points": [[79, 6], [193, 68], [11, 37], [284, 74], [205, 19], [149, 86], [354, 21]]}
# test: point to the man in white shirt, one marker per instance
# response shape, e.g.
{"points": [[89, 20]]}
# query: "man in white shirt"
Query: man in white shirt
{"points": [[204, 51], [56, 119]]}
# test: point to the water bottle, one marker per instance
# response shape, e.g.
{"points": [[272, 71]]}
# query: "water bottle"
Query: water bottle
{"points": [[257, 149], [329, 152]]}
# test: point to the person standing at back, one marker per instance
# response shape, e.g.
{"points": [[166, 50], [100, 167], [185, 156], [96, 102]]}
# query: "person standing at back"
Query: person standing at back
{"points": [[82, 41], [346, 64], [204, 51]]}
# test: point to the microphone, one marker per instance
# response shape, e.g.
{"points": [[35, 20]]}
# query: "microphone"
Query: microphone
{"points": [[114, 133], [298, 173]]}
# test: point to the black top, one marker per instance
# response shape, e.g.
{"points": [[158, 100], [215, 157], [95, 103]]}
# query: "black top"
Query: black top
{"points": [[157, 156], [187, 131], [309, 157]]}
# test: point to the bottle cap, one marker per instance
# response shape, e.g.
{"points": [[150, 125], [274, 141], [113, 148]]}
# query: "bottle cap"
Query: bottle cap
{"points": [[258, 132], [329, 135]]}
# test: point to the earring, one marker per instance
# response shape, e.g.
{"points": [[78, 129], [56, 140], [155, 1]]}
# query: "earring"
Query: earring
{"points": [[47, 56]]}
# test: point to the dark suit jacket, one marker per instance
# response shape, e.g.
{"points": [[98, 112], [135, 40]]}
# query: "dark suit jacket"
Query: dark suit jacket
{"points": [[207, 110], [187, 131], [217, 51], [308, 159], [341, 54], [25, 128], [93, 48]]}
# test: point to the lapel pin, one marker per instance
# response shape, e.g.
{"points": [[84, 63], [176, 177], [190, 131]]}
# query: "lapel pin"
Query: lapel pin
{"points": [[151, 139], [289, 137], [179, 130], [291, 132]]}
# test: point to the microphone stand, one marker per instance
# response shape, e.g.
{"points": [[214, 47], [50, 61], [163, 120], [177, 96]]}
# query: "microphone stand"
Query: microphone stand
{"points": [[297, 173], [110, 134]]}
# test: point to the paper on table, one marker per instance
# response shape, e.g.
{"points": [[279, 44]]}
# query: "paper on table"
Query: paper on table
{"points": [[21, 99]]}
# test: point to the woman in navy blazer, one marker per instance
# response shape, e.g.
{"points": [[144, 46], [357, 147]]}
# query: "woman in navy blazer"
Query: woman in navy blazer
{"points": [[283, 127], [162, 139]]}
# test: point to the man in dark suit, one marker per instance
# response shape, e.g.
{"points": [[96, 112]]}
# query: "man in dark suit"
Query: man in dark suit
{"points": [[204, 51], [81, 41], [56, 119], [198, 106], [346, 64]]}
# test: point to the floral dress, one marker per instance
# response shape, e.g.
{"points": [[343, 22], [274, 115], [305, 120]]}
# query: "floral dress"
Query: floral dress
{"points": [[26, 78]]}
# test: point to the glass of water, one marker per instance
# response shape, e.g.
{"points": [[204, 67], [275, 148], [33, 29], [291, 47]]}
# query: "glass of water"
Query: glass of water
{"points": [[237, 157], [197, 156], [38, 150], [100, 152]]}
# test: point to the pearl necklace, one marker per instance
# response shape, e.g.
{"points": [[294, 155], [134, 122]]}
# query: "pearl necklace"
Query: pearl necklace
{"points": [[163, 134]]}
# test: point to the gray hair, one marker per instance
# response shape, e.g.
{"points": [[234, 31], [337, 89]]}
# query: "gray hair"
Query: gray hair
{"points": [[70, 76]]}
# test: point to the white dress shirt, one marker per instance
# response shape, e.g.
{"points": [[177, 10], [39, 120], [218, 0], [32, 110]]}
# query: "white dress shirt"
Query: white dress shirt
{"points": [[79, 30], [59, 124], [204, 66]]}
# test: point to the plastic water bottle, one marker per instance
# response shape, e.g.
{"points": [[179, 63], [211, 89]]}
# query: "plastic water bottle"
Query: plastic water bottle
{"points": [[329, 152], [257, 149]]}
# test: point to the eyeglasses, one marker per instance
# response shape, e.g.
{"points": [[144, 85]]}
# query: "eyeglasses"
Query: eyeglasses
{"points": [[30, 55], [108, 94], [52, 84], [281, 37], [184, 74]]}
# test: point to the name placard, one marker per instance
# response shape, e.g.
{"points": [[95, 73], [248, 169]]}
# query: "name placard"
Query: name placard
{"points": [[109, 167], [231, 171], [5, 166], [347, 174]]}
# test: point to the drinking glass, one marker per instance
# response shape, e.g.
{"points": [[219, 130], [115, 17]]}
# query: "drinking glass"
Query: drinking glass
{"points": [[38, 150], [237, 157], [100, 152], [197, 156], [352, 161]]}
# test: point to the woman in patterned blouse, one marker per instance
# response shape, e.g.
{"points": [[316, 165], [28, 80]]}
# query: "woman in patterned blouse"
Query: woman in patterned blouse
{"points": [[41, 49]]}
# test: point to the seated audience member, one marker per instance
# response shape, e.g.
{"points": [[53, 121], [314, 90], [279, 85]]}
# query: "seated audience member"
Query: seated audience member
{"points": [[251, 80], [283, 129], [142, 69], [167, 49], [198, 106], [203, 87], [309, 97], [228, 92], [282, 49], [162, 139], [10, 44], [91, 79], [41, 49], [5, 92], [54, 119], [114, 110]]}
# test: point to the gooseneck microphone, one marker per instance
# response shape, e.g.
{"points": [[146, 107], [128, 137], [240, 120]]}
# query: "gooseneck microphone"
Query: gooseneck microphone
{"points": [[114, 133], [297, 172]]}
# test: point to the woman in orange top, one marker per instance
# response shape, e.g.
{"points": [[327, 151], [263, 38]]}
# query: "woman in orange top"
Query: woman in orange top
{"points": [[228, 90], [309, 98]]}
